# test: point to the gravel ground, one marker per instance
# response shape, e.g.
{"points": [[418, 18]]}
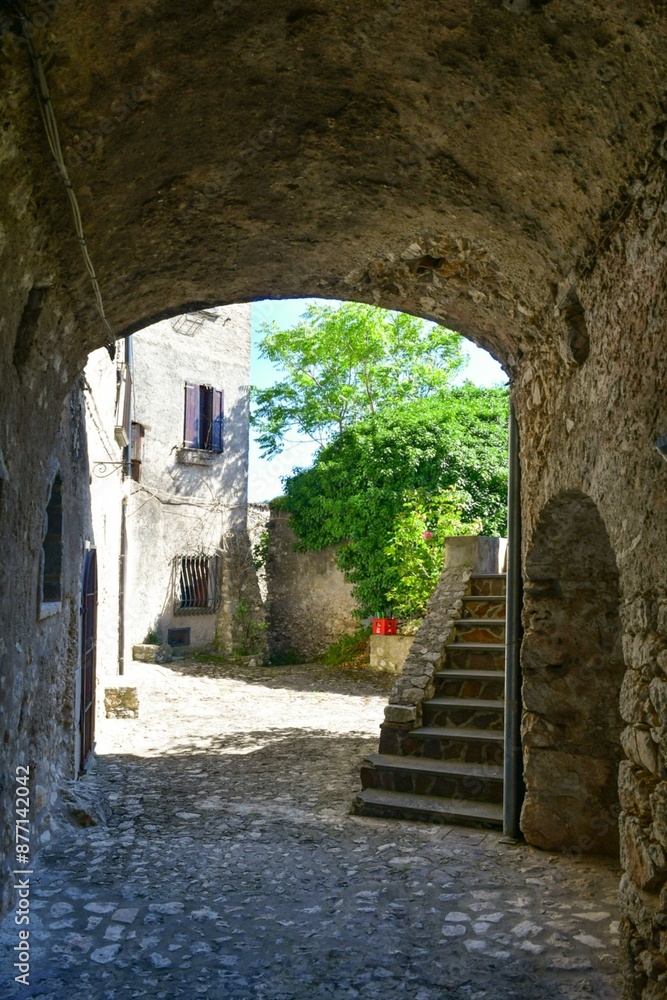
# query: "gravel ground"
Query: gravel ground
{"points": [[231, 866]]}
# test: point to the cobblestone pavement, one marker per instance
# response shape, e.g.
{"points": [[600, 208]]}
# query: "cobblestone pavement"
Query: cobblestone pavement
{"points": [[231, 867]]}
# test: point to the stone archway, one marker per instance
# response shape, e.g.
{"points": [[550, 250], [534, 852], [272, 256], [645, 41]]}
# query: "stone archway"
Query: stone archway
{"points": [[572, 673], [437, 158]]}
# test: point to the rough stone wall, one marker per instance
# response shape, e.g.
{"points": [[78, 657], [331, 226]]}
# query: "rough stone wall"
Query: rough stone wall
{"points": [[42, 351], [309, 603], [591, 427], [39, 643], [241, 626], [442, 149], [244, 627], [258, 519]]}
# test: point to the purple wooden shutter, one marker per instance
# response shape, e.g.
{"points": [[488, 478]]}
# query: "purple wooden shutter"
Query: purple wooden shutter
{"points": [[217, 419], [191, 423]]}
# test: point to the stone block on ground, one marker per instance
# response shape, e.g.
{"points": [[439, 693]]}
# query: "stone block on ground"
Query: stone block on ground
{"points": [[147, 652], [121, 703]]}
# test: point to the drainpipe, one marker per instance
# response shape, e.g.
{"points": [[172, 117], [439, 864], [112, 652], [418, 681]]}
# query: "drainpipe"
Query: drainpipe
{"points": [[122, 563], [513, 766]]}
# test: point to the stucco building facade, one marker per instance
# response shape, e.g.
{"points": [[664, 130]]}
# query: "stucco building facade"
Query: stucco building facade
{"points": [[168, 511]]}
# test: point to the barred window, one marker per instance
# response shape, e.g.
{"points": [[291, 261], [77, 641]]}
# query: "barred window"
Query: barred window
{"points": [[197, 585]]}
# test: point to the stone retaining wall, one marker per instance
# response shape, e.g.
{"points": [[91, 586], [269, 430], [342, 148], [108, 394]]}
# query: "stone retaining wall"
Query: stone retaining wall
{"points": [[309, 603], [389, 652], [425, 658]]}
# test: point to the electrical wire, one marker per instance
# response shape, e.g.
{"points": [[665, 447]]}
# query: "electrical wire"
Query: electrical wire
{"points": [[176, 499], [52, 134]]}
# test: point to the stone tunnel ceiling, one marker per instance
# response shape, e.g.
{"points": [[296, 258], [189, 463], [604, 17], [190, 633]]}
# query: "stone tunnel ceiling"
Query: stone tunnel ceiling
{"points": [[461, 161]]}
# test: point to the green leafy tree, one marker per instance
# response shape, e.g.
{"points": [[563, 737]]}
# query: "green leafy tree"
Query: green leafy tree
{"points": [[346, 363], [356, 492]]}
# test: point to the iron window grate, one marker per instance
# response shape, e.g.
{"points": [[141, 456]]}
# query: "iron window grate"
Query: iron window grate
{"points": [[197, 585]]}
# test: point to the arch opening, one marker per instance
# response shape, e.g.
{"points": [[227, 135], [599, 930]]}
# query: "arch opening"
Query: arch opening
{"points": [[572, 673]]}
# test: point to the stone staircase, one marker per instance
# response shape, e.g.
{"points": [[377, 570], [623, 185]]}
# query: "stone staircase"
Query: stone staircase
{"points": [[450, 769]]}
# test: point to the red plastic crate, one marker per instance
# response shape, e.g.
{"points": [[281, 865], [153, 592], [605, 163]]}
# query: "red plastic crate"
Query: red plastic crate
{"points": [[384, 626]]}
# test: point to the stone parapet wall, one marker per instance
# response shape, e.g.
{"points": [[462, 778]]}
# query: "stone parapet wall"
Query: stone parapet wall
{"points": [[463, 556], [427, 653]]}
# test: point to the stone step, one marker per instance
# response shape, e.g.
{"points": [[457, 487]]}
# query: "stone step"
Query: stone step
{"points": [[489, 684], [479, 630], [453, 743], [423, 776], [468, 713], [492, 606], [486, 584], [476, 655], [429, 808], [448, 732]]}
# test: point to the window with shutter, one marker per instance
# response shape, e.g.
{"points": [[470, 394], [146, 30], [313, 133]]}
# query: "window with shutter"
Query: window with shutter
{"points": [[205, 417], [217, 420], [191, 427], [203, 424]]}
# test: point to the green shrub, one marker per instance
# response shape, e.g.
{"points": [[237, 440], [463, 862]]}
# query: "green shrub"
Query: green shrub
{"points": [[355, 494], [248, 630], [349, 650]]}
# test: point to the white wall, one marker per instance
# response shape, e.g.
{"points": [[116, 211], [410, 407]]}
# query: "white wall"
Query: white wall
{"points": [[181, 508], [105, 498], [177, 508]]}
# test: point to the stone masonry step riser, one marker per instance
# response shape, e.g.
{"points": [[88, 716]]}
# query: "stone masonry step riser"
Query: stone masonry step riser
{"points": [[446, 786], [487, 586], [475, 659], [463, 717], [424, 816], [402, 743], [479, 608], [473, 688], [490, 632]]}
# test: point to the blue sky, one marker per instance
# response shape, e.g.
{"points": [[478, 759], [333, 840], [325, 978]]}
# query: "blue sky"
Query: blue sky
{"points": [[264, 481]]}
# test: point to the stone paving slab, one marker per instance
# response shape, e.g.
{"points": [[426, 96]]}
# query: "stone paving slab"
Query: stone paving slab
{"points": [[231, 868]]}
